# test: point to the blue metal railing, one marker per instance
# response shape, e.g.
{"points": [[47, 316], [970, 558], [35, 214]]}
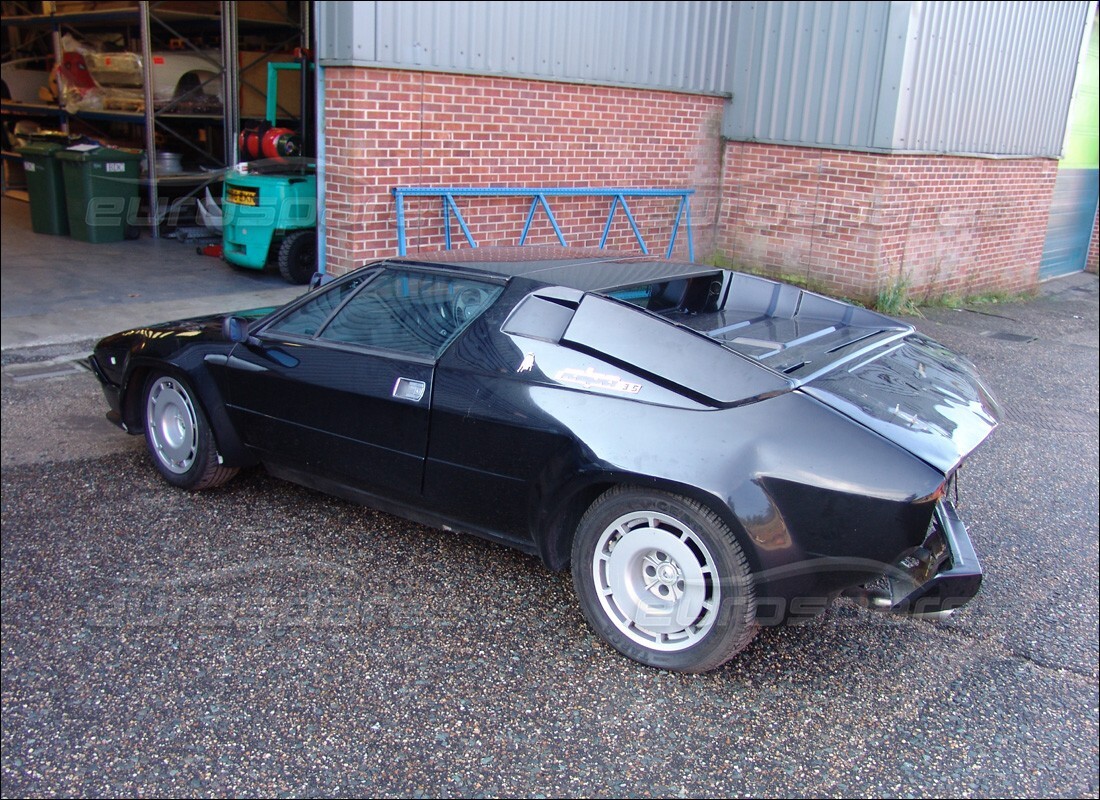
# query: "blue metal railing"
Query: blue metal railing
{"points": [[538, 199]]}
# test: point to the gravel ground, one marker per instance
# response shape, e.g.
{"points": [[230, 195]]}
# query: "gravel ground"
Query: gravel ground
{"points": [[262, 639]]}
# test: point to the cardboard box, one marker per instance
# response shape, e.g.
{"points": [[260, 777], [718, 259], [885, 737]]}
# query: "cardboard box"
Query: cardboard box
{"points": [[273, 11], [78, 6], [253, 98], [255, 10]]}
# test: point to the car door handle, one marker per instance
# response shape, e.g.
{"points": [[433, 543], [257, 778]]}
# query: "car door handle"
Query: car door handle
{"points": [[408, 389]]}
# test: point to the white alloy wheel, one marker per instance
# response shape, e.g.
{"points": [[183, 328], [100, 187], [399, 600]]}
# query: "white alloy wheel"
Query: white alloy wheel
{"points": [[656, 580], [663, 579], [179, 437], [173, 425]]}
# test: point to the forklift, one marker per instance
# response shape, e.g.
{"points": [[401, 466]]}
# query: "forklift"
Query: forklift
{"points": [[269, 204]]}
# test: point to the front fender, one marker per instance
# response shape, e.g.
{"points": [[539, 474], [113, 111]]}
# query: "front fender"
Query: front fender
{"points": [[191, 366]]}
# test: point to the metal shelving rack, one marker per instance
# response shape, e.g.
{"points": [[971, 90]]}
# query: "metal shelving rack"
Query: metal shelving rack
{"points": [[146, 17]]}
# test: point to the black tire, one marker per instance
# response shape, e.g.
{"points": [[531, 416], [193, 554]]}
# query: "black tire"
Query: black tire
{"points": [[663, 580], [178, 435], [298, 256]]}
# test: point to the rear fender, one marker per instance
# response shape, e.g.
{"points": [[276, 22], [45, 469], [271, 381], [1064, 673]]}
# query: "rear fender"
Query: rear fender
{"points": [[558, 518], [789, 581]]}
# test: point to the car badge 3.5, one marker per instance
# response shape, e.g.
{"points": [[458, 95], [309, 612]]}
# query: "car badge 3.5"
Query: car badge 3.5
{"points": [[588, 378]]}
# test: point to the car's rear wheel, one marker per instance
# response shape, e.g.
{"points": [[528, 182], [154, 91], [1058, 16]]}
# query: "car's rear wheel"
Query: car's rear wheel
{"points": [[664, 580], [179, 437]]}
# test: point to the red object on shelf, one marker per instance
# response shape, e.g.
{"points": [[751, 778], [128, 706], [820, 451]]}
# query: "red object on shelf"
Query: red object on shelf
{"points": [[76, 72]]}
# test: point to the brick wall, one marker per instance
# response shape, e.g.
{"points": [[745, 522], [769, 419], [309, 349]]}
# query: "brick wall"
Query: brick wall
{"points": [[964, 226], [855, 222], [388, 128]]}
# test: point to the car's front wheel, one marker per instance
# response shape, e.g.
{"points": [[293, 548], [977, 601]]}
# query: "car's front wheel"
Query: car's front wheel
{"points": [[179, 437], [664, 580]]}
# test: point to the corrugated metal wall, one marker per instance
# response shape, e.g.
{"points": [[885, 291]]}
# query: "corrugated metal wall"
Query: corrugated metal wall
{"points": [[1076, 191], [811, 73], [681, 46], [989, 78]]}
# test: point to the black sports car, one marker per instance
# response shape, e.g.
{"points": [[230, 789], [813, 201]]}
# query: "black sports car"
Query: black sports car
{"points": [[710, 451]]}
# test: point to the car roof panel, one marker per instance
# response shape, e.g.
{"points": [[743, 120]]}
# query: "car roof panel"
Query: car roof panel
{"points": [[586, 274]]}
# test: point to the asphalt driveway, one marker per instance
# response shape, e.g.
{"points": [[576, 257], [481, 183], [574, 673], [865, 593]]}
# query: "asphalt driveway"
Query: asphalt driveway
{"points": [[264, 639]]}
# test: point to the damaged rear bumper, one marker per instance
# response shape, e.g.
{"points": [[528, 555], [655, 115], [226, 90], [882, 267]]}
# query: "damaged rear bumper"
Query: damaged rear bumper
{"points": [[937, 577]]}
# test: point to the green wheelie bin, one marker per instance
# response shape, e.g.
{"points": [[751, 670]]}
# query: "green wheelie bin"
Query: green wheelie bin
{"points": [[45, 187], [101, 191]]}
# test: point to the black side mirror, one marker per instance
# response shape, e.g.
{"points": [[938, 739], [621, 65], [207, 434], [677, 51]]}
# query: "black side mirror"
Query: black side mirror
{"points": [[235, 329]]}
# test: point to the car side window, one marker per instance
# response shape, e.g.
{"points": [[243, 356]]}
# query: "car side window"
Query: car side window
{"points": [[309, 318], [416, 313]]}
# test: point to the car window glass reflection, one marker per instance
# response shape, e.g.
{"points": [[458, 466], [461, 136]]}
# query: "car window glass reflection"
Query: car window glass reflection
{"points": [[309, 318], [409, 312]]}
